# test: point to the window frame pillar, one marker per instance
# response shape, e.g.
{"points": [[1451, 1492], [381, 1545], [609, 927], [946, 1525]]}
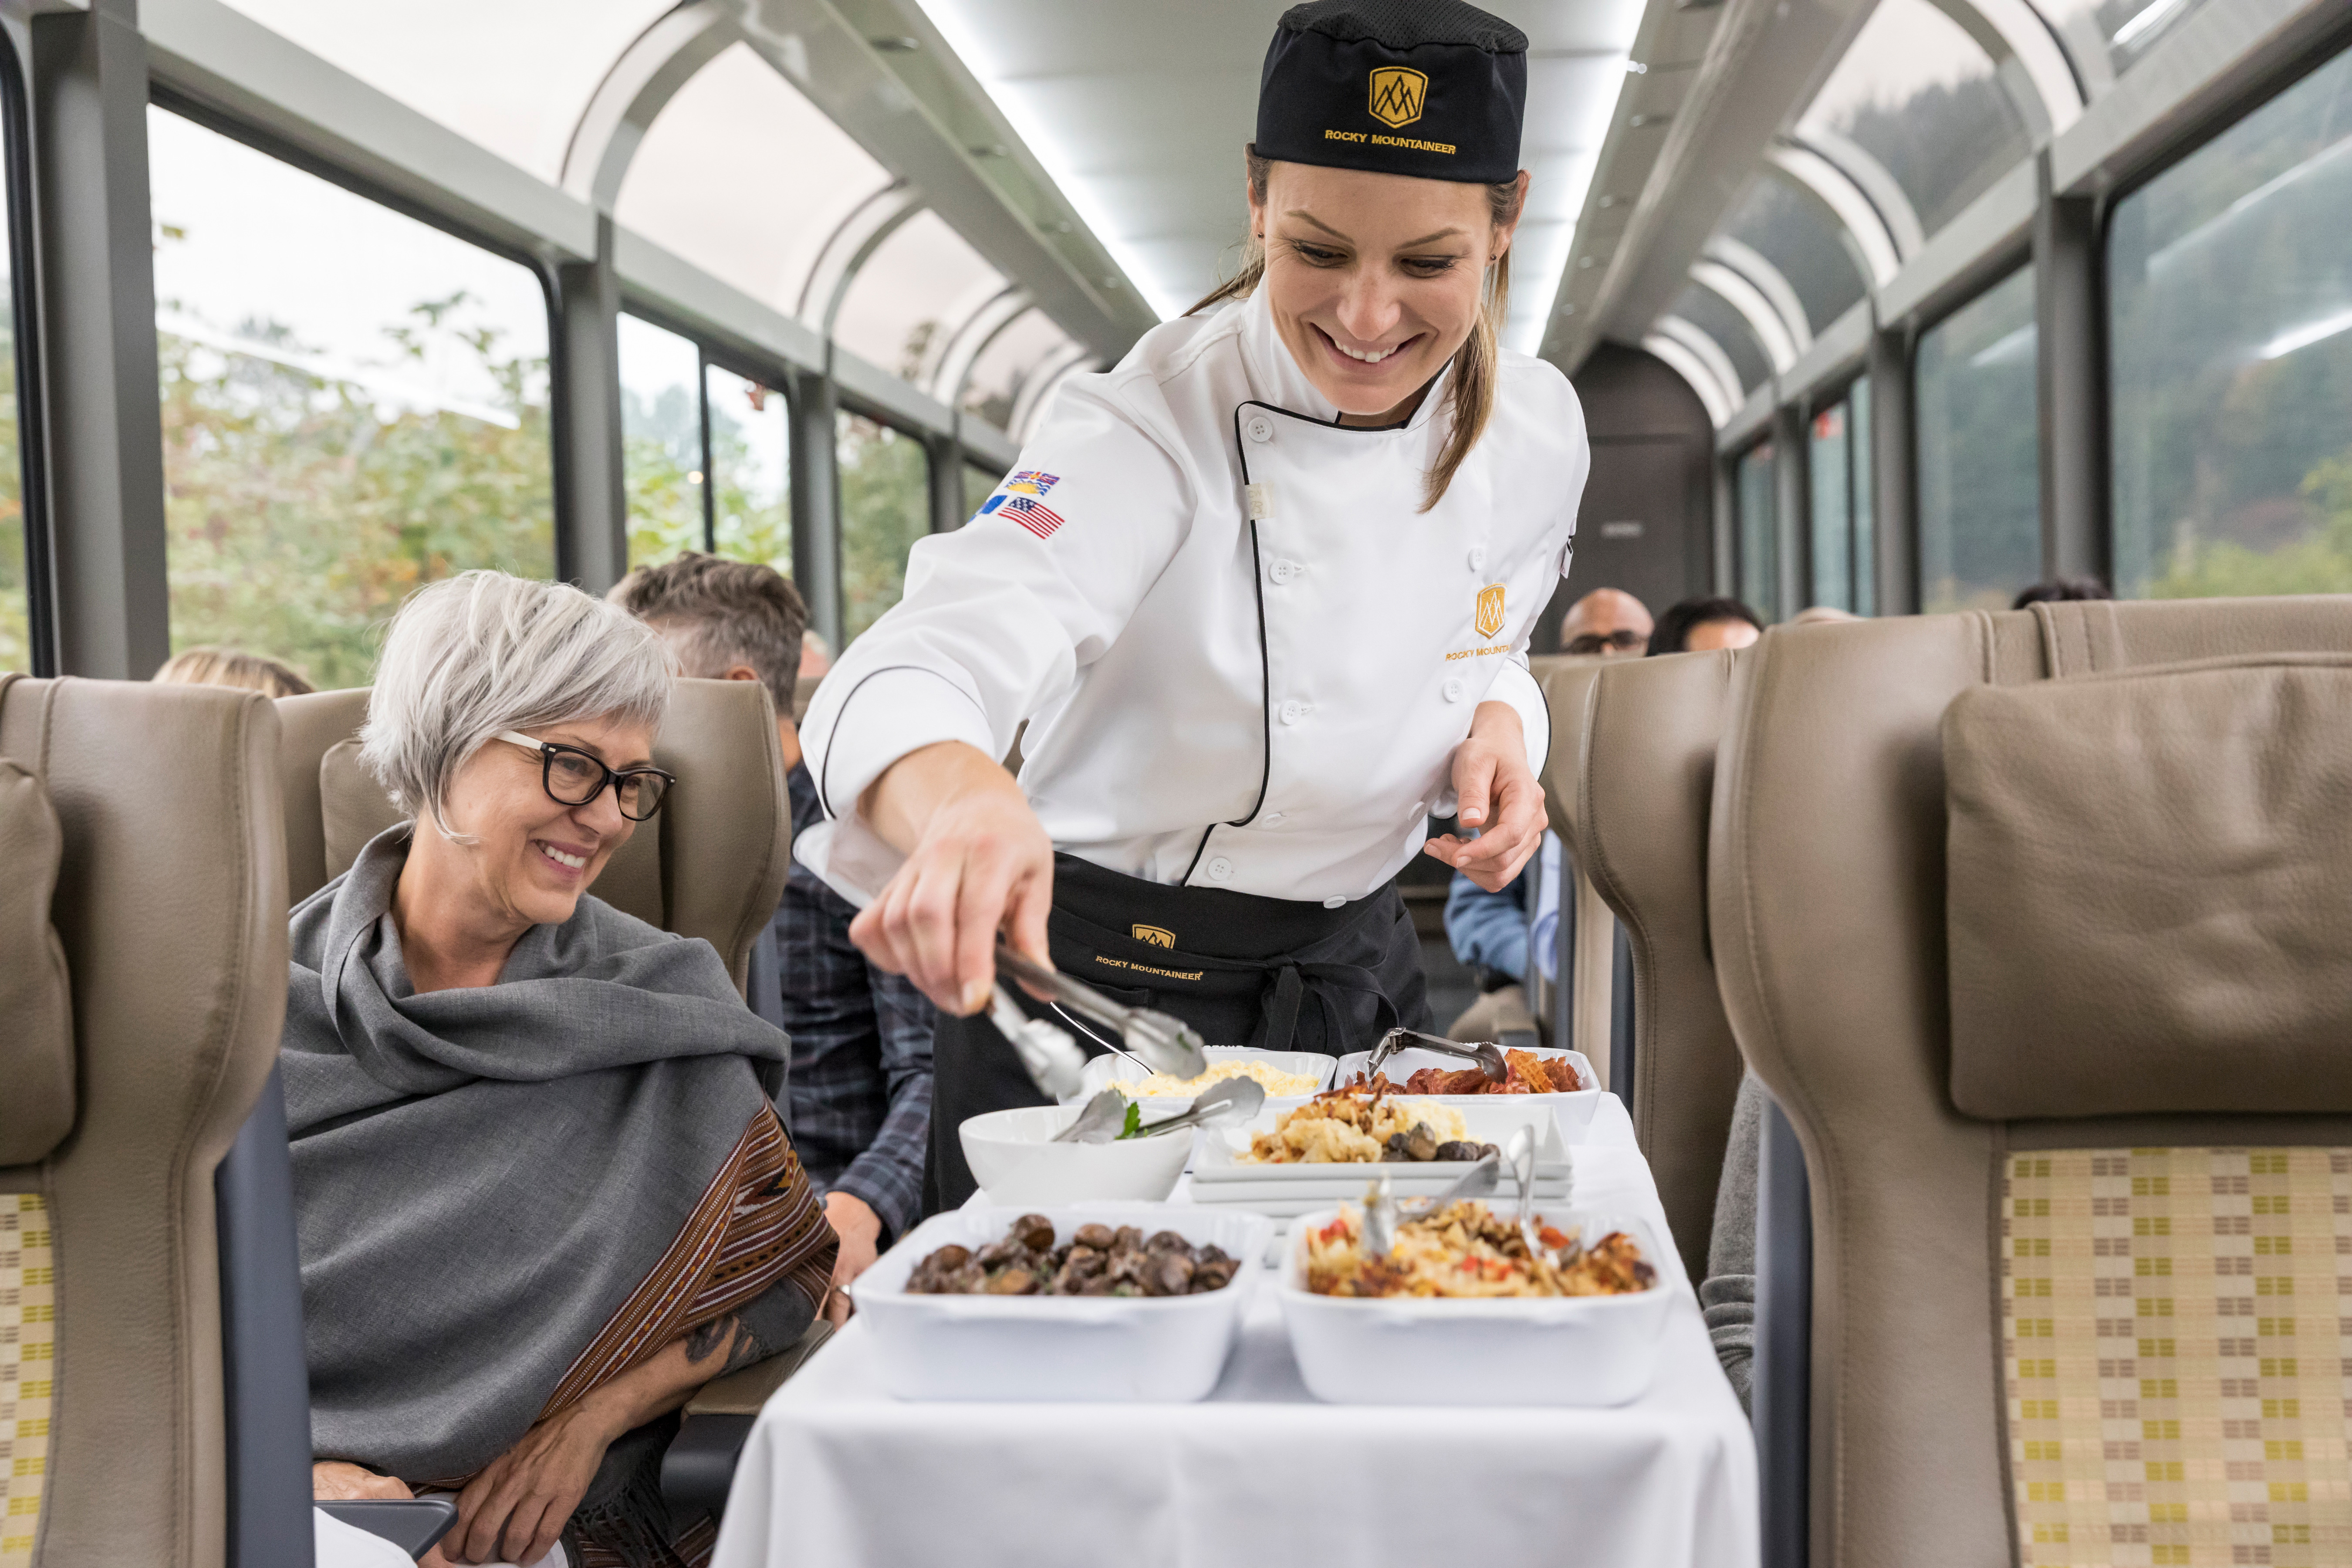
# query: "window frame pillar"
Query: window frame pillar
{"points": [[1893, 497], [592, 509], [2070, 325], [816, 502]]}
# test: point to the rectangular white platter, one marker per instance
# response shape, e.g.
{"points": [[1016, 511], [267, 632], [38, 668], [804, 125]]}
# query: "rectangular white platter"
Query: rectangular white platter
{"points": [[1219, 1179]]}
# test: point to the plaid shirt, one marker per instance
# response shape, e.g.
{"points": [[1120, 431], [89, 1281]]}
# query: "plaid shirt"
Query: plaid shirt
{"points": [[859, 1102]]}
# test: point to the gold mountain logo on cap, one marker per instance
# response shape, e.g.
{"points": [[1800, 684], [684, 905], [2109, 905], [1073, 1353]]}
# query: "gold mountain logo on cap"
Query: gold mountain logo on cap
{"points": [[1397, 92], [1155, 936], [1490, 610]]}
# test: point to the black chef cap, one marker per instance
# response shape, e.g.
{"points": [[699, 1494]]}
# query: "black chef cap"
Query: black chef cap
{"points": [[1432, 88]]}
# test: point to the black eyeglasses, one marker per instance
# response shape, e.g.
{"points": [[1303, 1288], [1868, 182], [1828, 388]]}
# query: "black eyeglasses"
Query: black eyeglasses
{"points": [[1625, 639], [573, 777]]}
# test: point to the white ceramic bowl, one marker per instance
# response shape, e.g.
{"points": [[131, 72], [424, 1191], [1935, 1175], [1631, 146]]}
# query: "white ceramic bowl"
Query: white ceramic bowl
{"points": [[1108, 1068], [1569, 1349], [1015, 1162], [1093, 1348]]}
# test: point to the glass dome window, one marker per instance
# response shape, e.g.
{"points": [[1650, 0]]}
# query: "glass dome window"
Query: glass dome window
{"points": [[996, 375], [1794, 234], [525, 117], [1712, 314], [916, 289], [1917, 96], [746, 178]]}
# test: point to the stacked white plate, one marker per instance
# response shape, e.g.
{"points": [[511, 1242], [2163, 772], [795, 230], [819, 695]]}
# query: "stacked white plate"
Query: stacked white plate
{"points": [[1573, 1111], [1221, 1180], [1104, 1070]]}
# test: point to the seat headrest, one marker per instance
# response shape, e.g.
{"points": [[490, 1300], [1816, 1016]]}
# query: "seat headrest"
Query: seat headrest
{"points": [[704, 868], [2149, 891], [37, 1060], [1567, 680]]}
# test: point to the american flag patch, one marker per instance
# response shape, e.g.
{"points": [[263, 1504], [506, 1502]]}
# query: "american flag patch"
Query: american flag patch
{"points": [[1033, 515]]}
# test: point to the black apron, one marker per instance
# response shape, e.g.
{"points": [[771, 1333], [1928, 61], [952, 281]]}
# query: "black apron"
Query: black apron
{"points": [[1275, 973]]}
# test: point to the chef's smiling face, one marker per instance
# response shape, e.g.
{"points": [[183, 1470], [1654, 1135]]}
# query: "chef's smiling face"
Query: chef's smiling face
{"points": [[1374, 280]]}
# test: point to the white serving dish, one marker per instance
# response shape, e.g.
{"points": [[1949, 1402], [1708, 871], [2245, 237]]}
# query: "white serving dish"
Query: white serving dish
{"points": [[1569, 1349], [1014, 1161], [1108, 1068], [1575, 1111], [1220, 1179], [1032, 1348]]}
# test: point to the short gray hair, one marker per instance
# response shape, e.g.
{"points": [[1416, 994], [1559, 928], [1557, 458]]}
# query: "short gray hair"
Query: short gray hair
{"points": [[483, 651]]}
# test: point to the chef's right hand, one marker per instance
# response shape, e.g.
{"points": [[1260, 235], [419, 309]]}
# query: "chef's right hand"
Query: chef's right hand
{"points": [[978, 861]]}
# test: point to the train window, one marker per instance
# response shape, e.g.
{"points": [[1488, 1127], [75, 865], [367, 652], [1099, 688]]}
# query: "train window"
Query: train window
{"points": [[1759, 532], [1840, 555], [353, 403], [1796, 238], [1979, 452], [1918, 98], [978, 484], [886, 506], [738, 126], [2124, 29], [2230, 292], [750, 470], [1711, 313], [917, 288], [661, 442], [410, 52], [993, 386]]}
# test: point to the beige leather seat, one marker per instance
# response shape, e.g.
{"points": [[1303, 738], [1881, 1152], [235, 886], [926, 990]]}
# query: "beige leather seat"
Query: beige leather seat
{"points": [[152, 811], [2039, 925], [1567, 681], [1643, 780], [715, 867]]}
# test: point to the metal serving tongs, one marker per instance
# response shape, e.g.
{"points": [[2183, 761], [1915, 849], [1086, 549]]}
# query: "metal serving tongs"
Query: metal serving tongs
{"points": [[1522, 1156], [1489, 1057], [855, 862]]}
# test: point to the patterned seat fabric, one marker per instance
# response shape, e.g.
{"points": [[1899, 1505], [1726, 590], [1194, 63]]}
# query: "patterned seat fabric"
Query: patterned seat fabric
{"points": [[2172, 1344], [28, 1298]]}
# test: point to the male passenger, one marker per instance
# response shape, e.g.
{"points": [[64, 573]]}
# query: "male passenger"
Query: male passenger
{"points": [[858, 1099], [1490, 931]]}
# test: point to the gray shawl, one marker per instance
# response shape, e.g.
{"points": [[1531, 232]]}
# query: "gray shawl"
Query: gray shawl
{"points": [[483, 1177]]}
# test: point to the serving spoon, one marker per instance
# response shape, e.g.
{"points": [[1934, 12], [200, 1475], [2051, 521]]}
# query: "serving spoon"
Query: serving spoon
{"points": [[1522, 1155], [1384, 1211], [1221, 1104], [1489, 1057]]}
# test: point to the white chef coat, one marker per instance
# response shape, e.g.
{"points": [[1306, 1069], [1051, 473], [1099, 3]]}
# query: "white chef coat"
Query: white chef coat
{"points": [[1244, 654]]}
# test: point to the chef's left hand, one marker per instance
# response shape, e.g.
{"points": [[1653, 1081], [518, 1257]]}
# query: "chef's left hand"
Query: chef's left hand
{"points": [[1499, 796]]}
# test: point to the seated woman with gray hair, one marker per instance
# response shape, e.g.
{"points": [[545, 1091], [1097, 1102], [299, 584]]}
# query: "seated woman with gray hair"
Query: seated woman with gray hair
{"points": [[540, 1188]]}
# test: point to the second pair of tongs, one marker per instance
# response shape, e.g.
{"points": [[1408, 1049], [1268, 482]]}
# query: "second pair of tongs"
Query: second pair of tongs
{"points": [[1161, 1042], [1489, 1057]]}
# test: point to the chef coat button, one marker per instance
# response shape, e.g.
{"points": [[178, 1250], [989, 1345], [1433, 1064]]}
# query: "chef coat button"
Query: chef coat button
{"points": [[1477, 558], [1220, 869], [1283, 571], [1335, 903], [1294, 710], [1259, 428], [1452, 689]]}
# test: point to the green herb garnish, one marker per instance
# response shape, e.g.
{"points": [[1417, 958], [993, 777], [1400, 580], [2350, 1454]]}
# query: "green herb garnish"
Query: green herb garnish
{"points": [[1134, 1126]]}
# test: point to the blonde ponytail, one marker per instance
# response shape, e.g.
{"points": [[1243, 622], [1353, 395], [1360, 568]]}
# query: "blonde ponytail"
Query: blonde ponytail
{"points": [[1476, 362]]}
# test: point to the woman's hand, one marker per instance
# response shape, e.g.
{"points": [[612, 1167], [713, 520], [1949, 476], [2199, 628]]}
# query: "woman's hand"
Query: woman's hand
{"points": [[978, 861], [1499, 794], [338, 1480], [514, 1509]]}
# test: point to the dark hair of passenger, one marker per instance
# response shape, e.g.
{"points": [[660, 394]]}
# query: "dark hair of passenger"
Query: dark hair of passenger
{"points": [[1672, 632], [2060, 589], [719, 614]]}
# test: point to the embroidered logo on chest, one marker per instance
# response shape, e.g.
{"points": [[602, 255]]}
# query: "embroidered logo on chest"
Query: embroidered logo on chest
{"points": [[1488, 619]]}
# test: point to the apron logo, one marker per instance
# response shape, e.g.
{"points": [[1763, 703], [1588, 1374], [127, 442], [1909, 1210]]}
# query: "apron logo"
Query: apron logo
{"points": [[1154, 936], [1490, 610], [1397, 95]]}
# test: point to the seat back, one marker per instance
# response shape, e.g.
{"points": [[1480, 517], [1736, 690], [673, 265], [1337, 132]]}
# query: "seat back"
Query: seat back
{"points": [[713, 867], [169, 918], [2036, 924], [1591, 967], [1643, 781]]}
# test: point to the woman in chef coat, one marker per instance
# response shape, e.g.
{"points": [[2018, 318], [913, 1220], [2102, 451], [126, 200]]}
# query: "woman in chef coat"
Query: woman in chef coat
{"points": [[1261, 593]]}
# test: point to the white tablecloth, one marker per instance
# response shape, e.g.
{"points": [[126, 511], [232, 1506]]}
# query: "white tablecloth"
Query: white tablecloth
{"points": [[836, 1473]]}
